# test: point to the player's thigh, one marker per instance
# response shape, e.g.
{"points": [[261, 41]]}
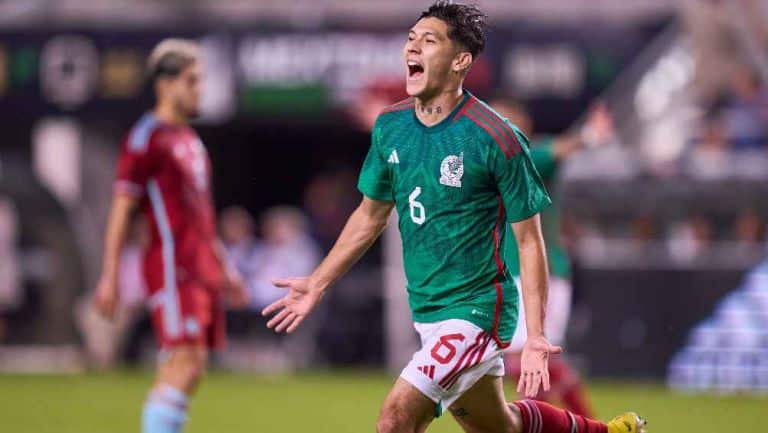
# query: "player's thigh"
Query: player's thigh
{"points": [[483, 409], [405, 409]]}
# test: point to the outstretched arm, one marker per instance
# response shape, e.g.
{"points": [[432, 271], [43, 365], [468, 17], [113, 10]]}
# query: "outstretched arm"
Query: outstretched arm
{"points": [[363, 227], [534, 278], [596, 131]]}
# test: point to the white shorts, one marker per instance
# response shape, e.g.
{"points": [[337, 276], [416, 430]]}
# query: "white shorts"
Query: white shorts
{"points": [[454, 355], [558, 313]]}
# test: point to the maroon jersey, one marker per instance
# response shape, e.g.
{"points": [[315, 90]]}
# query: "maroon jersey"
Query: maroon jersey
{"points": [[168, 168]]}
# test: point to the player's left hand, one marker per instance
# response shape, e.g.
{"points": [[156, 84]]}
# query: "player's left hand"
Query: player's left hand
{"points": [[534, 366], [294, 307]]}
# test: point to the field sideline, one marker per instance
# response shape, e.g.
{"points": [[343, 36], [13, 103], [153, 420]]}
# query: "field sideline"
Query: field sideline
{"points": [[320, 402]]}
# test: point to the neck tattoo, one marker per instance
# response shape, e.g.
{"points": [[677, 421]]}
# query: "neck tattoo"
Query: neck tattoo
{"points": [[431, 110]]}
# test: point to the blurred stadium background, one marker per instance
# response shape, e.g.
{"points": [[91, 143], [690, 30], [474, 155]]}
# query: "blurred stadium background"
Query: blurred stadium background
{"points": [[666, 226]]}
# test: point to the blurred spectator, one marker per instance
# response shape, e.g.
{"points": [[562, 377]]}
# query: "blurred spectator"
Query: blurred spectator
{"points": [[748, 227], [330, 198], [745, 112], [690, 239], [644, 231], [105, 339], [709, 157], [238, 235], [237, 228], [287, 250]]}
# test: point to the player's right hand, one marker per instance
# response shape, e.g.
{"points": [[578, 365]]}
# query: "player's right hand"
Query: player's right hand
{"points": [[105, 298], [294, 307]]}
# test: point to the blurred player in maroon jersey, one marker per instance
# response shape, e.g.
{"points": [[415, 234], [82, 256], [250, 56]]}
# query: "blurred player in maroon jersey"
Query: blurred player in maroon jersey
{"points": [[164, 172]]}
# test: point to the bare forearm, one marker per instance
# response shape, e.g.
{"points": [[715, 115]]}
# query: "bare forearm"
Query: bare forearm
{"points": [[222, 257], [360, 232], [534, 275], [117, 229]]}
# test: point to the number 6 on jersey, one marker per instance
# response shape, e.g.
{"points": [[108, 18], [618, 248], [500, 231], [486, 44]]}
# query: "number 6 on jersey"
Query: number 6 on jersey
{"points": [[418, 214]]}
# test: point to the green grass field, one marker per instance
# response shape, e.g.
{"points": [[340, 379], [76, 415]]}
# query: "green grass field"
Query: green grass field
{"points": [[333, 403]]}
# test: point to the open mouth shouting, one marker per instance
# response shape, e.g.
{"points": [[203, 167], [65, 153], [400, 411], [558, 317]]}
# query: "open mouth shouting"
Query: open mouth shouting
{"points": [[415, 70]]}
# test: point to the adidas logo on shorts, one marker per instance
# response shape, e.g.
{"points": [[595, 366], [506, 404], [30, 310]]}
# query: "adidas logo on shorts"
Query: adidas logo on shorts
{"points": [[428, 370]]}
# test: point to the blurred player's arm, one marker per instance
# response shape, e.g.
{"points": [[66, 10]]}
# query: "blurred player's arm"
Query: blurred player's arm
{"points": [[596, 130], [557, 149], [233, 281], [118, 223], [362, 229]]}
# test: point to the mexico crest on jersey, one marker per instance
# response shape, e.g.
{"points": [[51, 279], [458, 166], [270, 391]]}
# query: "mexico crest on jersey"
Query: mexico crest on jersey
{"points": [[451, 170]]}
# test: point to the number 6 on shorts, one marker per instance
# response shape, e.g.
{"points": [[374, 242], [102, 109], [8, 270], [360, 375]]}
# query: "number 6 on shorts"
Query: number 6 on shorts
{"points": [[445, 341]]}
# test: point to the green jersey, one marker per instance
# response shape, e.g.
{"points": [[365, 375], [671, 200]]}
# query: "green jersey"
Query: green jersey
{"points": [[559, 265], [456, 186]]}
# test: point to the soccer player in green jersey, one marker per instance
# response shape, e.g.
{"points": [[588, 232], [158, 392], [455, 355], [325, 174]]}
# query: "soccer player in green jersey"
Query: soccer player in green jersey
{"points": [[547, 154], [459, 176]]}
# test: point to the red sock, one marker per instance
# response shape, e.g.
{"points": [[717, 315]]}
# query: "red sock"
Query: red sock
{"points": [[540, 417], [567, 387]]}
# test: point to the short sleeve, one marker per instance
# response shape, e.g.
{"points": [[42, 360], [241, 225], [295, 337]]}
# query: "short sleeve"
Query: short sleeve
{"points": [[375, 178], [520, 186], [136, 162]]}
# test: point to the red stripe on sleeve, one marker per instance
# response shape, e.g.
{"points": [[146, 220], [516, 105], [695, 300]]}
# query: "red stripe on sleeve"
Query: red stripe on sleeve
{"points": [[474, 117], [510, 133], [464, 109], [505, 140]]}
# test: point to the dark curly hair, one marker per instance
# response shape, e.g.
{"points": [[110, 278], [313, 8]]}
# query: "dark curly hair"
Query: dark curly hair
{"points": [[467, 23]]}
